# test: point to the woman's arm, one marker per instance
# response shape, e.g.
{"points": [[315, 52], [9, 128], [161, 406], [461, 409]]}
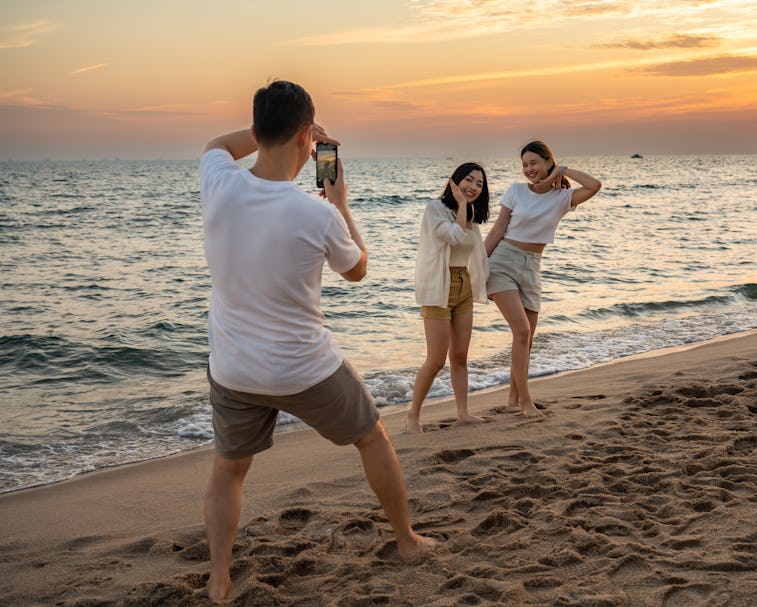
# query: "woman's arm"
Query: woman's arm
{"points": [[441, 225], [498, 230], [589, 185]]}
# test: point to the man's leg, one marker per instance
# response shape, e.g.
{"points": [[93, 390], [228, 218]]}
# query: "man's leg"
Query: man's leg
{"points": [[223, 504], [382, 468]]}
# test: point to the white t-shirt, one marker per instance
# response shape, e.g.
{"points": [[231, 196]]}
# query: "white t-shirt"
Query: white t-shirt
{"points": [[534, 216], [265, 244]]}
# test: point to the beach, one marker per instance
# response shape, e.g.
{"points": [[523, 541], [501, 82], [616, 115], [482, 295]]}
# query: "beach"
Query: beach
{"points": [[639, 487]]}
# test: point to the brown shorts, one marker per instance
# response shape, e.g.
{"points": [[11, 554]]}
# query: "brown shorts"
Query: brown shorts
{"points": [[460, 298], [340, 408]]}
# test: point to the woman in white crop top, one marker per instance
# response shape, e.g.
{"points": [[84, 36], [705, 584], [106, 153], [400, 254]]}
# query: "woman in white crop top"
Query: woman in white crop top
{"points": [[450, 274], [526, 223]]}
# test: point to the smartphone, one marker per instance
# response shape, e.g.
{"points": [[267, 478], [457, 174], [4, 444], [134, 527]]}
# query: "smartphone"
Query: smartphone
{"points": [[325, 163]]}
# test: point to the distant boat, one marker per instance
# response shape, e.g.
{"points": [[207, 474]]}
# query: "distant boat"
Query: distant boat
{"points": [[637, 156]]}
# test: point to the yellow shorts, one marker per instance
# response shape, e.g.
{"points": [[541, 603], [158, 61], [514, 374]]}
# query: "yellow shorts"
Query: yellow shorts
{"points": [[460, 297]]}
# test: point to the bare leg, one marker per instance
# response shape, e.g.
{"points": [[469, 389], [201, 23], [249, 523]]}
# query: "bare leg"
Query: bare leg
{"points": [[223, 504], [511, 306], [437, 343], [512, 395], [462, 326], [533, 318], [382, 468], [512, 398]]}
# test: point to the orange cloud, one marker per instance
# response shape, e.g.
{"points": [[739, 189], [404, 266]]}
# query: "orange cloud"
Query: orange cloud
{"points": [[383, 99], [21, 36], [676, 41], [705, 66], [20, 98], [89, 68], [593, 8], [437, 20]]}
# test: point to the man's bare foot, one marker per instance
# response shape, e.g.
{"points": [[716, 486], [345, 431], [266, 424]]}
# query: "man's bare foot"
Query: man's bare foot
{"points": [[413, 426], [530, 410], [415, 546], [218, 591], [466, 419]]}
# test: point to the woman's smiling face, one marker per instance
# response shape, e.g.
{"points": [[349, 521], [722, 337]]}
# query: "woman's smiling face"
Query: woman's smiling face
{"points": [[471, 185], [535, 168]]}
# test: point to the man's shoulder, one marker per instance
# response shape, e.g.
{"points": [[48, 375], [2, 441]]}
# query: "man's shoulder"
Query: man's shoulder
{"points": [[216, 157], [308, 202], [307, 210]]}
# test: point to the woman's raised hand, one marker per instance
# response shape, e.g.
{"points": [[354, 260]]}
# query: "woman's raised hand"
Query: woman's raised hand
{"points": [[458, 194], [554, 179]]}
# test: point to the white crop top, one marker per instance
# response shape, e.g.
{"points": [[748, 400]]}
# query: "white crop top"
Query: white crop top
{"points": [[534, 216], [459, 254]]}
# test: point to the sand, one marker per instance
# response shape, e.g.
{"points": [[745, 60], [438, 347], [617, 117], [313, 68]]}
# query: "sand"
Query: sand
{"points": [[639, 487]]}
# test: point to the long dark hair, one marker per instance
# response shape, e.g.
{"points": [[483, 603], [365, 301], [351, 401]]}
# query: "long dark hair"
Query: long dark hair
{"points": [[542, 149], [478, 211]]}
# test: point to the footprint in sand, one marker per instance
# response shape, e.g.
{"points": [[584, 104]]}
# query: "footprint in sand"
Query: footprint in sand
{"points": [[451, 456], [293, 520]]}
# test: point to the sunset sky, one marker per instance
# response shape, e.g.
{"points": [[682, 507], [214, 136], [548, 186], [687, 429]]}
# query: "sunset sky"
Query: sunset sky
{"points": [[158, 78]]}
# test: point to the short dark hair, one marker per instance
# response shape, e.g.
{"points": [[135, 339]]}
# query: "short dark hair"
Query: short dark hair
{"points": [[478, 212], [279, 110]]}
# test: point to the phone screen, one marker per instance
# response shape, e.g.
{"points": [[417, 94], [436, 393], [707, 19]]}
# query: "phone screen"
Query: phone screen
{"points": [[325, 163]]}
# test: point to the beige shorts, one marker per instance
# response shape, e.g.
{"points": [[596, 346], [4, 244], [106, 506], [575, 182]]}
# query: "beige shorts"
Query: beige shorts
{"points": [[340, 408], [460, 297], [513, 269]]}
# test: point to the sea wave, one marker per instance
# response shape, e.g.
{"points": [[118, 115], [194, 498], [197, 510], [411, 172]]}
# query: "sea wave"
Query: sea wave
{"points": [[642, 309], [52, 359]]}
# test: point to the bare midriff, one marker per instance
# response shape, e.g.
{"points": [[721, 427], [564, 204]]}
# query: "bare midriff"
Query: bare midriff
{"points": [[533, 247]]}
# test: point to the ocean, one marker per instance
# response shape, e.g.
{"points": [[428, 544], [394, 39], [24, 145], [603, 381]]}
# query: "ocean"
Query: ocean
{"points": [[105, 292]]}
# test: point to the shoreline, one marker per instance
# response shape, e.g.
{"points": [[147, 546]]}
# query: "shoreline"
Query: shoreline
{"points": [[639, 483], [398, 408]]}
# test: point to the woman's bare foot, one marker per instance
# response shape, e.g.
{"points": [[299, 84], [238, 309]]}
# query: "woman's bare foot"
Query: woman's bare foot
{"points": [[218, 590], [415, 546], [513, 406], [530, 410], [467, 418], [413, 426]]}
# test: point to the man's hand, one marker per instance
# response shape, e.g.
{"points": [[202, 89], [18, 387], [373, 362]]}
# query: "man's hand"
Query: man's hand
{"points": [[336, 193], [320, 136]]}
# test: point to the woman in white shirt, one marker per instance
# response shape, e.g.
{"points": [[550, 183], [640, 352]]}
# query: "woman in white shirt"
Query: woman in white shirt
{"points": [[526, 224], [450, 274]]}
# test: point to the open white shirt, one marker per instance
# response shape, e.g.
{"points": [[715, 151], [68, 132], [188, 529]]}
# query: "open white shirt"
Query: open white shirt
{"points": [[439, 233]]}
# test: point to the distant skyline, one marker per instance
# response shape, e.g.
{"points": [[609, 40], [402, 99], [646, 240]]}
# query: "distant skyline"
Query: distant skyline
{"points": [[85, 80]]}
